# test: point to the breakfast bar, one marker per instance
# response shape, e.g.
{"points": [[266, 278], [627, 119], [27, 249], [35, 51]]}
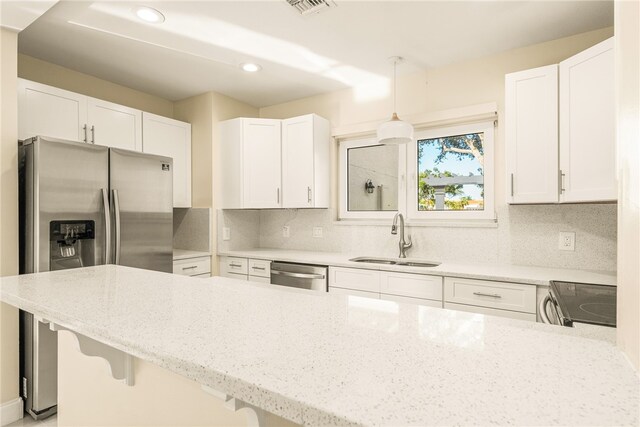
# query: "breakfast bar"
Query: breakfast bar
{"points": [[322, 359]]}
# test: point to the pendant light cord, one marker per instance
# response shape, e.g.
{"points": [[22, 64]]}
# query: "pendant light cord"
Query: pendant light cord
{"points": [[395, 85]]}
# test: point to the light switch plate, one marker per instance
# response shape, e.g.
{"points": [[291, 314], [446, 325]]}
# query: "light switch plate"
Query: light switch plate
{"points": [[567, 241], [226, 233], [317, 231], [286, 231]]}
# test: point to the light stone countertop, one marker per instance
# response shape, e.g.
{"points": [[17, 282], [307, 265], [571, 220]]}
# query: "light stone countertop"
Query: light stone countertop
{"points": [[325, 359], [186, 254], [498, 272]]}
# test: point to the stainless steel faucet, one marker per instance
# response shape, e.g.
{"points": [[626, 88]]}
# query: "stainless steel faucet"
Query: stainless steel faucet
{"points": [[402, 244]]}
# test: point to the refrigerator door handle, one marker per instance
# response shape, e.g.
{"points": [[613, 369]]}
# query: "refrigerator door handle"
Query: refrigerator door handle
{"points": [[116, 210], [107, 227]]}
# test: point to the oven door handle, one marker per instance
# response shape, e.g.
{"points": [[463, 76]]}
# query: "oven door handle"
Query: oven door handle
{"points": [[543, 309], [298, 275]]}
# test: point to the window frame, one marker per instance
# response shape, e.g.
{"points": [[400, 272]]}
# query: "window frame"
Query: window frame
{"points": [[488, 144], [343, 153]]}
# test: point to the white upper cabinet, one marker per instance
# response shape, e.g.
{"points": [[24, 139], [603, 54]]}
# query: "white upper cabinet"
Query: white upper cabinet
{"points": [[261, 174], [305, 162], [247, 172], [269, 163], [171, 138], [579, 164], [114, 125], [587, 125], [49, 111], [531, 132]]}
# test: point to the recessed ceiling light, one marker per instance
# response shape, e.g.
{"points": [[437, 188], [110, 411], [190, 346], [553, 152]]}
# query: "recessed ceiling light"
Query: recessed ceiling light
{"points": [[148, 14], [250, 67]]}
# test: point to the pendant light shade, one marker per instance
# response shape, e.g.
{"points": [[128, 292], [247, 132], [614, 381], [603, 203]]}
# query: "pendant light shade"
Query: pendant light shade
{"points": [[395, 131]]}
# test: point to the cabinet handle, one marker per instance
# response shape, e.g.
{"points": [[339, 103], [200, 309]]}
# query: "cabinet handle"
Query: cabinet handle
{"points": [[309, 194], [93, 134], [258, 268], [482, 294], [190, 268], [511, 185], [84, 128], [561, 181], [278, 196], [235, 265]]}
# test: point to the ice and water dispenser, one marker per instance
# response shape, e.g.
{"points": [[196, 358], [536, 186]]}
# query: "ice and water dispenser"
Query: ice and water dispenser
{"points": [[72, 244]]}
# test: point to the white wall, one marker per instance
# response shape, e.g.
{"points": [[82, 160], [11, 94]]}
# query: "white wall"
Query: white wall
{"points": [[627, 24], [524, 235]]}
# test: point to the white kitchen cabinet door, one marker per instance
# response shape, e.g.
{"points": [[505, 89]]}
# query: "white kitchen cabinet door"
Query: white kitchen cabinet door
{"points": [[355, 278], [531, 133], [49, 111], [587, 125], [114, 125], [261, 173], [305, 162], [171, 138]]}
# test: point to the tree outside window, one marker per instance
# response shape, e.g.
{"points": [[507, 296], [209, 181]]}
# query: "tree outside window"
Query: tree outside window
{"points": [[451, 173]]}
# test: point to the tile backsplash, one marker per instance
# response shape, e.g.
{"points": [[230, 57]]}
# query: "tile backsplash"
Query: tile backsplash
{"points": [[192, 229], [525, 235]]}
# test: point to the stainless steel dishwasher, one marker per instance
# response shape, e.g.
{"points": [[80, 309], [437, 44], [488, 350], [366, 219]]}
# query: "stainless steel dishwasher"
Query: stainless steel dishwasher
{"points": [[302, 276]]}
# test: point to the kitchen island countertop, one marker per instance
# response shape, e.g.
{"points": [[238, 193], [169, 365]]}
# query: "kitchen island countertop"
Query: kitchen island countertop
{"points": [[323, 359]]}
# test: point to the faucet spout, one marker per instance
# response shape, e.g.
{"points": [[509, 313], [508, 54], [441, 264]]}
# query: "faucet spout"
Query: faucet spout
{"points": [[403, 244]]}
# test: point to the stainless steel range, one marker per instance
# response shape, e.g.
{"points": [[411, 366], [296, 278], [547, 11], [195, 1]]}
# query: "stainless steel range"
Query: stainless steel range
{"points": [[569, 303]]}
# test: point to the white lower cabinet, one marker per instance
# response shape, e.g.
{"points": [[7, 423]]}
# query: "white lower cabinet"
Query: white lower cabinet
{"points": [[252, 270], [196, 267], [388, 285], [484, 296], [491, 311]]}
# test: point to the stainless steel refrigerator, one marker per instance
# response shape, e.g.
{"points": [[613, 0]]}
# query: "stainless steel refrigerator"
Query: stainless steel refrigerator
{"points": [[83, 205]]}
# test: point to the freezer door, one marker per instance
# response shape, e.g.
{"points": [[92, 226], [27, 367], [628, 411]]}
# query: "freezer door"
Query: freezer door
{"points": [[142, 210], [62, 184]]}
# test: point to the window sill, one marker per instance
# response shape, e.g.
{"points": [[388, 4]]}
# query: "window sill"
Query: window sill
{"points": [[445, 223]]}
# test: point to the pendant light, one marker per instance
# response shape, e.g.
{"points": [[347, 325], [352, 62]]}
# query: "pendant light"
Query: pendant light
{"points": [[395, 131]]}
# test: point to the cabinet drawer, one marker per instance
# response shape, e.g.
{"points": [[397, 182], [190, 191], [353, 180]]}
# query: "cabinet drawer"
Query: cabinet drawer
{"points": [[260, 267], [491, 311], [234, 265], [411, 285], [354, 278], [192, 266], [341, 291], [409, 300], [483, 293]]}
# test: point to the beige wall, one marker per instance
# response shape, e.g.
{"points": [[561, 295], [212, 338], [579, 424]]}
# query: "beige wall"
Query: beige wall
{"points": [[54, 75], [627, 24], [204, 112], [158, 398], [8, 210]]}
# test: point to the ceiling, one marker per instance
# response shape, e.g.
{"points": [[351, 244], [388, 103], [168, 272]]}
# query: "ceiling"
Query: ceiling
{"points": [[200, 45]]}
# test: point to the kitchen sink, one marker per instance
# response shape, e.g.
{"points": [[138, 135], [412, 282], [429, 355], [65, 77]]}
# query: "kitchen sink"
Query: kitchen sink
{"points": [[397, 261]]}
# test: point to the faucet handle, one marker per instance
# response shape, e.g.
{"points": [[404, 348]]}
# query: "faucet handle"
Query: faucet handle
{"points": [[408, 243]]}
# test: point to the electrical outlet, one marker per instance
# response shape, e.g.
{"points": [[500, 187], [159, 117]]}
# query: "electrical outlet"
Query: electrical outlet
{"points": [[226, 233], [285, 231], [317, 231], [567, 241]]}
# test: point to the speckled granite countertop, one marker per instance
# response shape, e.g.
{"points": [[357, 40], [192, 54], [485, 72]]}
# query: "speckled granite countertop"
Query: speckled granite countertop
{"points": [[323, 359], [499, 272]]}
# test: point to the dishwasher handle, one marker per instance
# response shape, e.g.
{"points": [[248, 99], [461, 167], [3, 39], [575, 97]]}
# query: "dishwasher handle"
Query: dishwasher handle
{"points": [[298, 275]]}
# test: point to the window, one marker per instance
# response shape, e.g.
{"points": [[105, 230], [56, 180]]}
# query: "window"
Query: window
{"points": [[450, 173]]}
